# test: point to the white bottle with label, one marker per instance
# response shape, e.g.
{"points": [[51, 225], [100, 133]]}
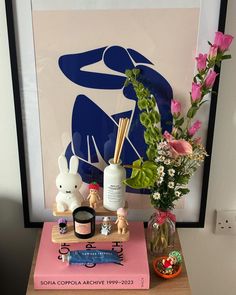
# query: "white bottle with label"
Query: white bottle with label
{"points": [[113, 186]]}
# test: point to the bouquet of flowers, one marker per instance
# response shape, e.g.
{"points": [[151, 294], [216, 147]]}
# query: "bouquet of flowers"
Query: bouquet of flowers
{"points": [[174, 157]]}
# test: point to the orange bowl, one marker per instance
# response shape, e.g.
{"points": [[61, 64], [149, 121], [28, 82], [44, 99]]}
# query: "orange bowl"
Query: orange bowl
{"points": [[165, 276]]}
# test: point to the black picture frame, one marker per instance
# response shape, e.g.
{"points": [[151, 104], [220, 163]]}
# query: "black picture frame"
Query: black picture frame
{"points": [[20, 132]]}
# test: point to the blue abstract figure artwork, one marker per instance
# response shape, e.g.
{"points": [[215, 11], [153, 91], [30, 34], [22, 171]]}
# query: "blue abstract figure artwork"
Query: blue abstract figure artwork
{"points": [[93, 130]]}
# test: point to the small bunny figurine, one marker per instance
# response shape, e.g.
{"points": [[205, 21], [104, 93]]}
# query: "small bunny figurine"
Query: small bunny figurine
{"points": [[68, 184]]}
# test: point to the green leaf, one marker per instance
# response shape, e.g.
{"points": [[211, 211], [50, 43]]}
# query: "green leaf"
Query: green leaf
{"points": [[142, 104], [184, 191], [136, 167], [227, 56], [151, 135], [183, 179], [179, 122], [145, 120], [199, 76], [211, 63], [152, 102], [148, 137], [154, 117], [151, 152], [191, 112], [128, 73], [143, 117], [127, 82], [136, 71], [143, 175]]}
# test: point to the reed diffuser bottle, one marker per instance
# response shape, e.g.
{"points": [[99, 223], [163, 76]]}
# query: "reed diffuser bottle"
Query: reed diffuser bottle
{"points": [[115, 174], [113, 186]]}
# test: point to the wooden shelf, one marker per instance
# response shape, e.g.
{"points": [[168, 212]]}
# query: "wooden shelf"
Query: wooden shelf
{"points": [[100, 211], [69, 237]]}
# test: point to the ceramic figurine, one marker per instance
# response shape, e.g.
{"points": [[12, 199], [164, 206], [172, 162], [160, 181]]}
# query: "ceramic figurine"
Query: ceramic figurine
{"points": [[62, 223], [168, 263], [168, 267], [122, 223], [68, 183], [93, 196], [106, 226]]}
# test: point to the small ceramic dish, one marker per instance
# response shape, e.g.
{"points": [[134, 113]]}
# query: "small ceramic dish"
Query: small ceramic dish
{"points": [[162, 275]]}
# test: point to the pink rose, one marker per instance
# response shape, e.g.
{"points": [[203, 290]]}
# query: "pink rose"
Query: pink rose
{"points": [[213, 51], [223, 41], [180, 147], [196, 91], [175, 107], [210, 79], [168, 136], [194, 128], [201, 61]]}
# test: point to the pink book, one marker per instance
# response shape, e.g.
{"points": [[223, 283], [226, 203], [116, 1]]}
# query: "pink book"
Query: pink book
{"points": [[132, 272]]}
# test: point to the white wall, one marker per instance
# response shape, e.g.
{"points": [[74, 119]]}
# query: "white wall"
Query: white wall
{"points": [[16, 243], [210, 259]]}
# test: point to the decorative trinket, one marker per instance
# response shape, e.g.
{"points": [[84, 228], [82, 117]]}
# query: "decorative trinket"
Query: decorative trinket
{"points": [[93, 196], [106, 226], [122, 223], [168, 267], [62, 223], [91, 257], [68, 183]]}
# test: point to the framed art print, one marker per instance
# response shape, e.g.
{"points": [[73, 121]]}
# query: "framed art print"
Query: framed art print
{"points": [[68, 64]]}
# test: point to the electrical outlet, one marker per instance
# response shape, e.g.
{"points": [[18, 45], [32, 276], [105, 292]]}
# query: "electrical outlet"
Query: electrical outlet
{"points": [[225, 222]]}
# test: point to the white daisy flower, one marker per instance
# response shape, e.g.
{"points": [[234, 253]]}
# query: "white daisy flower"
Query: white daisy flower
{"points": [[167, 162], [171, 172], [161, 169], [171, 184], [162, 174], [178, 194], [156, 196], [160, 180], [159, 159]]}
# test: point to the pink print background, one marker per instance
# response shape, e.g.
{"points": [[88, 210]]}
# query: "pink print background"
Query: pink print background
{"points": [[167, 37]]}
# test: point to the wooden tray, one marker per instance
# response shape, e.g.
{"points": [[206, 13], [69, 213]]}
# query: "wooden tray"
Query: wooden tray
{"points": [[70, 237], [100, 211]]}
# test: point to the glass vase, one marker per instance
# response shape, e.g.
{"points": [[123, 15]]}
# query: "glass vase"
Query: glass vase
{"points": [[161, 232]]}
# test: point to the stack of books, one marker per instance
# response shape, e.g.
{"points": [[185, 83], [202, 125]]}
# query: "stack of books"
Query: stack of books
{"points": [[131, 273]]}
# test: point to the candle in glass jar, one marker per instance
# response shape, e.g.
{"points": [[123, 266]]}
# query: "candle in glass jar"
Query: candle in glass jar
{"points": [[84, 222]]}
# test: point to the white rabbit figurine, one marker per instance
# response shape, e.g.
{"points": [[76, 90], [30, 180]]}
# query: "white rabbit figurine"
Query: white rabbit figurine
{"points": [[68, 184]]}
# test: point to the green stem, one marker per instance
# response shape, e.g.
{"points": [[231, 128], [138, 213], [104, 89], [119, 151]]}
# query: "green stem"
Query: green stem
{"points": [[131, 167]]}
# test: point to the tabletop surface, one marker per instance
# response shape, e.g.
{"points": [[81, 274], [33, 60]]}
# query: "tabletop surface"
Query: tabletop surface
{"points": [[176, 286]]}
